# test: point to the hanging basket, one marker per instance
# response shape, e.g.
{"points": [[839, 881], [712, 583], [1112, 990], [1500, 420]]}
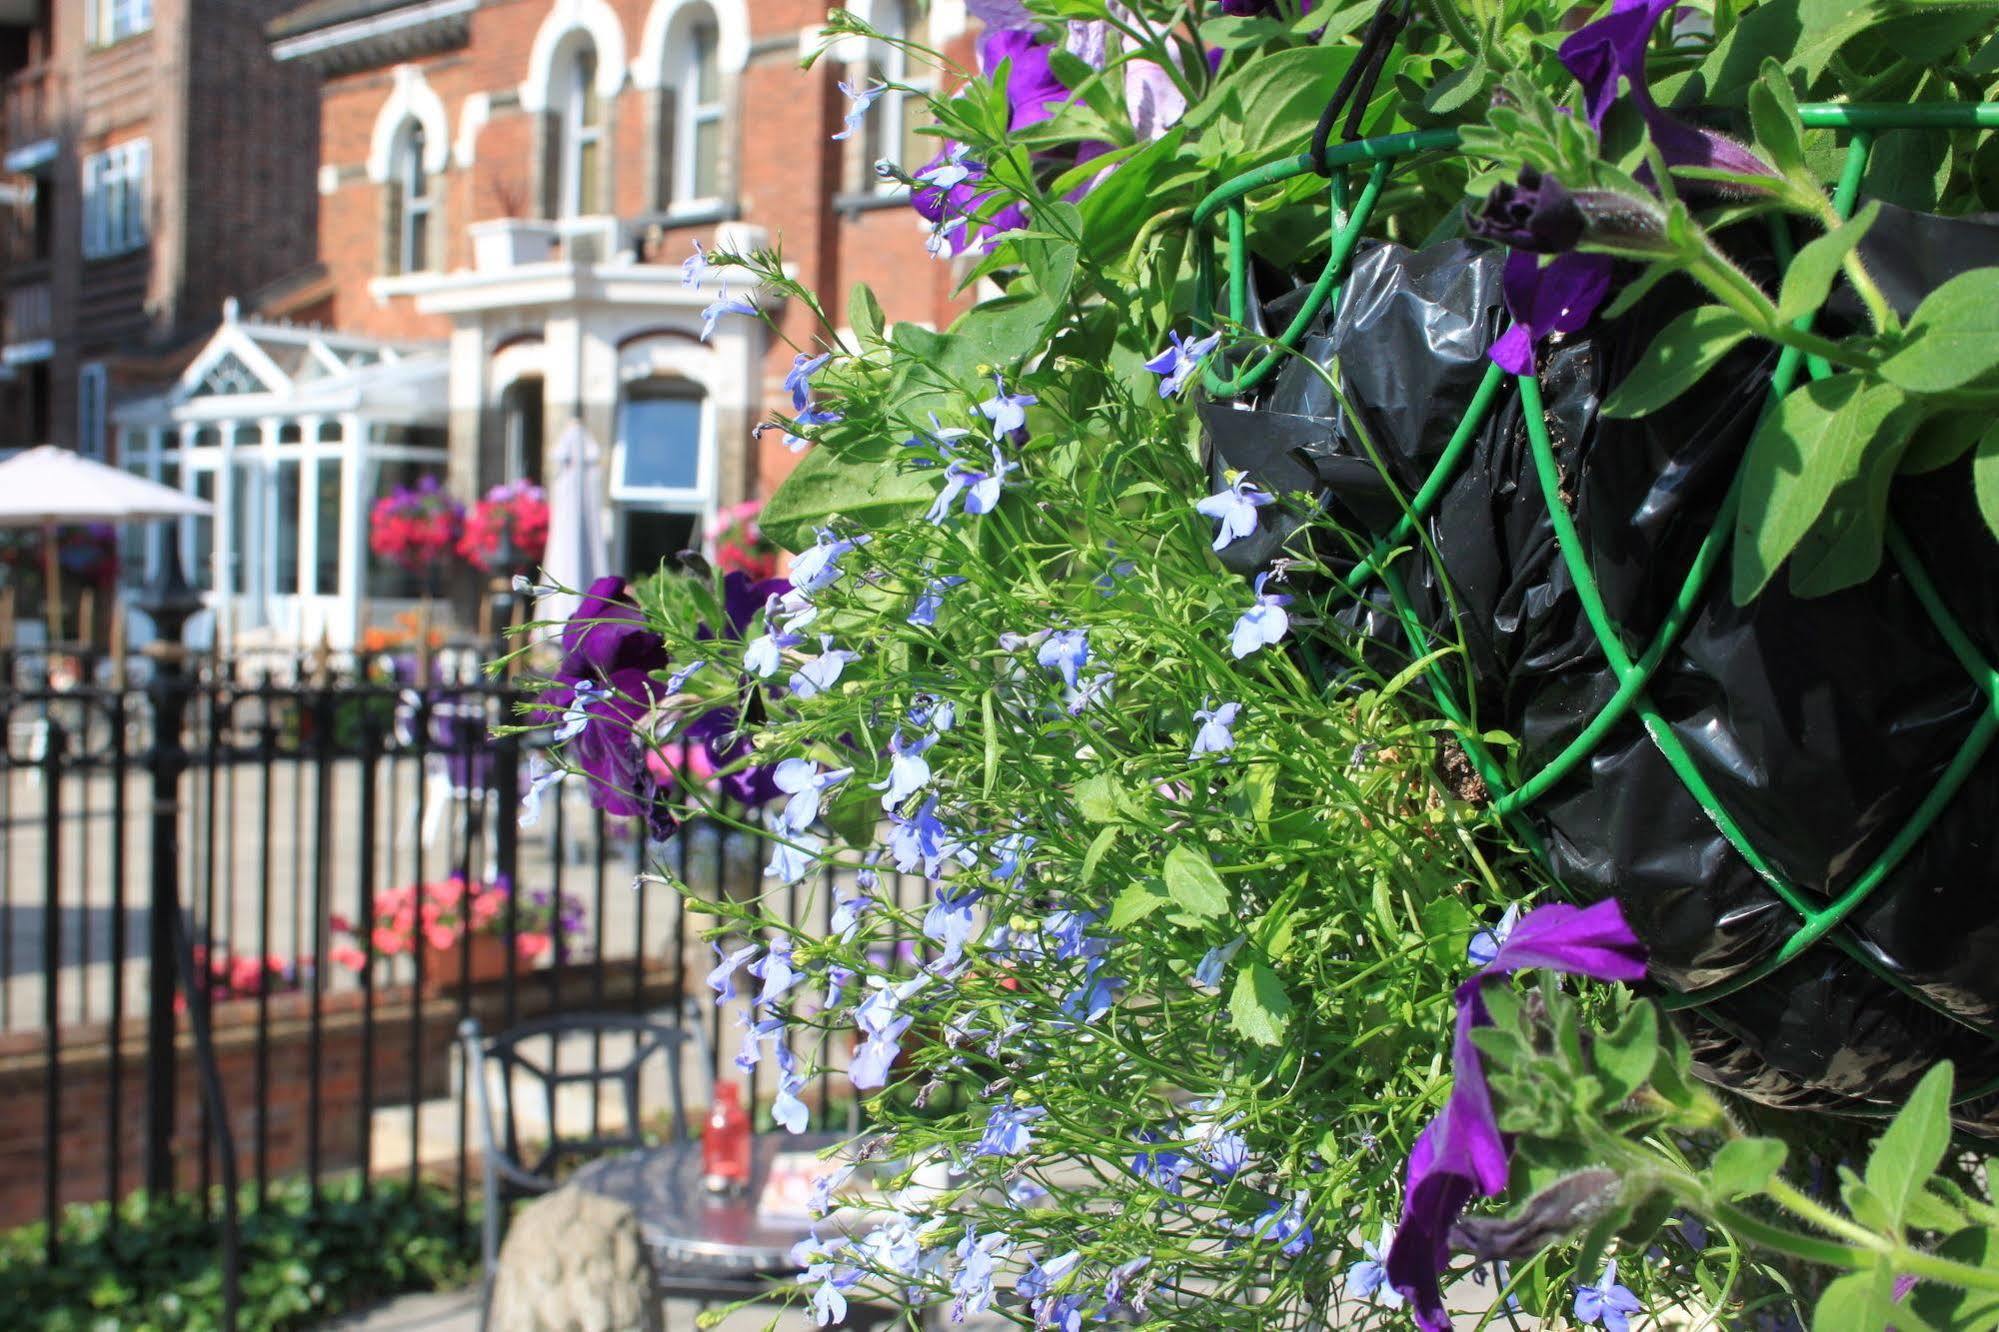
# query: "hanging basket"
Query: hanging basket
{"points": [[1793, 799]]}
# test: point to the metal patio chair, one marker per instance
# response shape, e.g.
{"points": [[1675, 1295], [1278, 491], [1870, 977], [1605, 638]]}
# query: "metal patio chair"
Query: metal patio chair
{"points": [[511, 1166]]}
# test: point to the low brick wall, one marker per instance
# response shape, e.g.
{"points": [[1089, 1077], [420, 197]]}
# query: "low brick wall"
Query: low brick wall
{"points": [[84, 1141]]}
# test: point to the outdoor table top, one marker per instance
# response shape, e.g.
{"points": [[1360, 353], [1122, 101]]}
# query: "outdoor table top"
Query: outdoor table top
{"points": [[693, 1229]]}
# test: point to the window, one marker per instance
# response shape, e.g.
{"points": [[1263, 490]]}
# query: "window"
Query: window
{"points": [[582, 130], [116, 188], [411, 200], [890, 129], [697, 117], [659, 441], [111, 21], [521, 425], [326, 573], [90, 403]]}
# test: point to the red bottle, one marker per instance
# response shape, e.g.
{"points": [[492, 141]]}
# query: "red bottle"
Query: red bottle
{"points": [[725, 1146]]}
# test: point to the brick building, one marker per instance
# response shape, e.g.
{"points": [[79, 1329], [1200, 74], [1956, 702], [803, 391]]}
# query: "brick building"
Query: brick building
{"points": [[157, 160], [506, 190]]}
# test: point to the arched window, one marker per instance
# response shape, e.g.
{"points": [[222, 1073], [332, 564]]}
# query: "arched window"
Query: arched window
{"points": [[698, 120], [890, 129], [580, 133], [659, 480], [411, 198], [521, 429]]}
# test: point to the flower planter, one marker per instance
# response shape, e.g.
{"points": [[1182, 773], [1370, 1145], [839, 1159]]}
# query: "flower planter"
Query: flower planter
{"points": [[502, 243], [478, 958], [1789, 797]]}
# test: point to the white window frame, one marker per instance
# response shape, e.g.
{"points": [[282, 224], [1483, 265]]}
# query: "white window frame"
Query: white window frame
{"points": [[674, 499], [578, 129], [117, 192], [92, 399], [107, 22], [413, 219], [690, 113], [889, 114]]}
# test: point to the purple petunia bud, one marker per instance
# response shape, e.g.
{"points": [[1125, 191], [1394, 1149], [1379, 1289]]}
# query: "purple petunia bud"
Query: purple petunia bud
{"points": [[1553, 1214], [1536, 213]]}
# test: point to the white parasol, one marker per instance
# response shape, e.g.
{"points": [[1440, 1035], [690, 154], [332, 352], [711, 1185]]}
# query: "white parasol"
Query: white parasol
{"points": [[50, 487], [576, 555]]}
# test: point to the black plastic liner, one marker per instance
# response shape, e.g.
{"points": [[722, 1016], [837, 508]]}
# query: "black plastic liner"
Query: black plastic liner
{"points": [[1820, 724]]}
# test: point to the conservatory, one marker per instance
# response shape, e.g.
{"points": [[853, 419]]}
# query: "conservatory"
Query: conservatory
{"points": [[293, 433]]}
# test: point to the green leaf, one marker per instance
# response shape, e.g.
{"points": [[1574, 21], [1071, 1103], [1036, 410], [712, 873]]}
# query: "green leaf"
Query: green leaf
{"points": [[1843, 548], [1813, 442], [1625, 1056], [1857, 1302], [1137, 901], [1194, 884], [1948, 1306], [1941, 440], [1804, 34], [874, 493], [1258, 1006], [864, 314], [1985, 477], [1744, 1165], [1953, 338], [1680, 354], [1815, 267], [1097, 799], [1912, 1146], [1099, 844], [1773, 114]]}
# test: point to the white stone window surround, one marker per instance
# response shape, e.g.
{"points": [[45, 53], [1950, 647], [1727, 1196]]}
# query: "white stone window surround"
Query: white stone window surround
{"points": [[412, 98], [548, 71]]}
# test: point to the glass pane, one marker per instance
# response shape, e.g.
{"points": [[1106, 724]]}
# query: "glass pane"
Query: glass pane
{"points": [[662, 439], [326, 577], [202, 575], [415, 181], [285, 524], [708, 159], [416, 240], [586, 168], [707, 65], [586, 87], [651, 538]]}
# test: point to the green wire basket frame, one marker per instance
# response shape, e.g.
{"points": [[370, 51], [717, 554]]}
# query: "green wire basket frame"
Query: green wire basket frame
{"points": [[1512, 798]]}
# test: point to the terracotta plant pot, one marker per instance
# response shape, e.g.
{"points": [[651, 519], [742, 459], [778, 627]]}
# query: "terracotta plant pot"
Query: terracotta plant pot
{"points": [[445, 969]]}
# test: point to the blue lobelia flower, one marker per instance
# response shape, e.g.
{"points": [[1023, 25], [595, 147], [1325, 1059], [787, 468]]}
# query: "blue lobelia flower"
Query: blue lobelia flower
{"points": [[1040, 1278], [1011, 851], [931, 600], [951, 170], [908, 770], [1160, 1167], [798, 381], [884, 1002], [787, 1109], [1368, 1278], [837, 979], [1209, 971], [871, 1062], [860, 99], [1235, 509], [978, 1261], [750, 1053], [1095, 690], [722, 979], [818, 567], [808, 416], [792, 860], [1177, 364], [950, 922], [1606, 1302], [678, 680], [918, 842], [541, 776], [1065, 651], [1008, 1130], [816, 1260], [845, 922], [1263, 624], [1215, 735], [802, 780], [1222, 1150], [1485, 944], [980, 488], [815, 675], [694, 267], [774, 969], [1096, 996], [1007, 411], [1283, 1224], [939, 436], [720, 306]]}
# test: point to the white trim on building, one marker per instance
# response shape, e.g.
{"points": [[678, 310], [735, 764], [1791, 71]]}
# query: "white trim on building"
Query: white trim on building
{"points": [[546, 73]]}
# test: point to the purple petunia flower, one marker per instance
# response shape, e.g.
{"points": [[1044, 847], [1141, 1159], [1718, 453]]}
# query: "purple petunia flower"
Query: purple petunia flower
{"points": [[1557, 297], [1462, 1152], [1235, 509]]}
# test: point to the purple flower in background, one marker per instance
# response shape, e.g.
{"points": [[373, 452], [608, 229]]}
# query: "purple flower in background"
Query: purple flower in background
{"points": [[1283, 1224], [606, 634], [1235, 509], [860, 99], [1215, 737], [1002, 13], [1606, 1302], [1251, 8], [722, 979], [1263, 624], [1008, 1131], [1033, 93], [1007, 411], [1177, 364], [1065, 651], [872, 1060], [1160, 1167], [720, 306], [1462, 1152]]}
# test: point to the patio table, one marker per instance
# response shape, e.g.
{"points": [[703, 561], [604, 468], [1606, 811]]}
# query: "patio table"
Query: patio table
{"points": [[708, 1246]]}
